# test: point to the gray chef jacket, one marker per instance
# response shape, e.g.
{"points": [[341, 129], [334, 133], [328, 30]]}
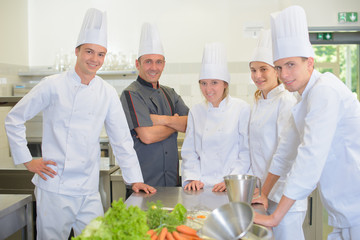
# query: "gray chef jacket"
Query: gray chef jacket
{"points": [[159, 161]]}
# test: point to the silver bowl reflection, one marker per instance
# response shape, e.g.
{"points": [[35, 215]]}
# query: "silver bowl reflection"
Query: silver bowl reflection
{"points": [[257, 232], [230, 221]]}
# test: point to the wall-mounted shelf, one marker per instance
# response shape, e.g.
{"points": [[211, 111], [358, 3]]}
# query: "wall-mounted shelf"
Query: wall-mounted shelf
{"points": [[100, 73]]}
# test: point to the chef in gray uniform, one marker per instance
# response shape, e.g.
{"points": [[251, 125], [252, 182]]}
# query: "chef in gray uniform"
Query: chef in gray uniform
{"points": [[155, 113]]}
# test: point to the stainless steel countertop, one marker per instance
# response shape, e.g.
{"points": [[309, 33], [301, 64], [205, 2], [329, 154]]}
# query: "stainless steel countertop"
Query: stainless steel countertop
{"points": [[104, 166], [11, 202], [16, 214], [9, 101], [204, 199]]}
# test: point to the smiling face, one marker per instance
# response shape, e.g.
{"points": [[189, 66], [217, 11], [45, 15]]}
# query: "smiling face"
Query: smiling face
{"points": [[213, 90], [264, 77], [90, 58], [295, 72], [150, 67]]}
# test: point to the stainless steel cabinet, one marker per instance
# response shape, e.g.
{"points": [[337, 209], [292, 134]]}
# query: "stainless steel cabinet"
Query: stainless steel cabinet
{"points": [[313, 221]]}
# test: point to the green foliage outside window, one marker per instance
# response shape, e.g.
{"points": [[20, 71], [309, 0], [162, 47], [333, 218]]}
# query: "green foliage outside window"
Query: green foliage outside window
{"points": [[337, 54]]}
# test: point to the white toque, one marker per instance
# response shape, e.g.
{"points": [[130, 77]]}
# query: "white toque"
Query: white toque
{"points": [[150, 42], [290, 36], [263, 50], [94, 28], [214, 63]]}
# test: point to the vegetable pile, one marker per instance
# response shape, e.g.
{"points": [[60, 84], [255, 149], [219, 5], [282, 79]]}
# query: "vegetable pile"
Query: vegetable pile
{"points": [[120, 223]]}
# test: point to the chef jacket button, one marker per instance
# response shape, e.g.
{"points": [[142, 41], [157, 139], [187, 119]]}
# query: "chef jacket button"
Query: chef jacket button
{"points": [[165, 152]]}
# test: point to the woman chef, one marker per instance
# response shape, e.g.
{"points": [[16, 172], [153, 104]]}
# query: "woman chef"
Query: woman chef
{"points": [[327, 118], [216, 140], [269, 119]]}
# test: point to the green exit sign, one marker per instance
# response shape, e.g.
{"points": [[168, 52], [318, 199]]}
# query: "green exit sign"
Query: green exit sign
{"points": [[347, 17], [324, 36]]}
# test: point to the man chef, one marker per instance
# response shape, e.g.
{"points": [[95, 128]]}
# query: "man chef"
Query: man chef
{"points": [[75, 105], [327, 120], [155, 113]]}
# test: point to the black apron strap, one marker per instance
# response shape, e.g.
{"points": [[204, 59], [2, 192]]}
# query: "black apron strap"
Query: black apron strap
{"points": [[171, 104]]}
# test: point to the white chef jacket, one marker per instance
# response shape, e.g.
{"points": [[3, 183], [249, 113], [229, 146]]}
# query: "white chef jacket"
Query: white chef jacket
{"points": [[216, 142], [327, 118], [73, 117], [269, 121]]}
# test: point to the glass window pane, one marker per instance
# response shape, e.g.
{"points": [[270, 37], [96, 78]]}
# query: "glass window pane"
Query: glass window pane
{"points": [[341, 60]]}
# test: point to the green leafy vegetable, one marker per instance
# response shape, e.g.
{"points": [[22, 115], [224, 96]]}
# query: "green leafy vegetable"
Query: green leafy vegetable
{"points": [[179, 212], [118, 222], [158, 218]]}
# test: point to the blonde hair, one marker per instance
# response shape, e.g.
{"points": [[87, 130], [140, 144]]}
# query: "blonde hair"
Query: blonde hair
{"points": [[257, 94]]}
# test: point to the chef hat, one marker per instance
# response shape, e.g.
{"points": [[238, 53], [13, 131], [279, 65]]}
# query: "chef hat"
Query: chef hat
{"points": [[290, 36], [94, 28], [150, 42], [214, 64], [263, 51]]}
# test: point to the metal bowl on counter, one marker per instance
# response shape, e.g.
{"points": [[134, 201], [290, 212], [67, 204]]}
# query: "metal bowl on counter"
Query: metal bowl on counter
{"points": [[257, 232], [230, 221]]}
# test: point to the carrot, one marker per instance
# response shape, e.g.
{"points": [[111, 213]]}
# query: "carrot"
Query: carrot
{"points": [[177, 236], [169, 236], [162, 234], [189, 237], [151, 232], [187, 230], [201, 216], [154, 237]]}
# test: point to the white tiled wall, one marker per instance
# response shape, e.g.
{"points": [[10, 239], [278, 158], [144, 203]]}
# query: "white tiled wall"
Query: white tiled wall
{"points": [[182, 77]]}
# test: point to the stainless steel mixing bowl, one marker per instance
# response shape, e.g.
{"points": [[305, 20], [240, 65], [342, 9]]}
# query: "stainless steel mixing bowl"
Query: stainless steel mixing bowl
{"points": [[230, 221]]}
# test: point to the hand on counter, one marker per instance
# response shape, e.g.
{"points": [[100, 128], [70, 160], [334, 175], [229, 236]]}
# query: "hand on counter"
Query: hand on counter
{"points": [[220, 187], [40, 167], [262, 199], [194, 185], [136, 187]]}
